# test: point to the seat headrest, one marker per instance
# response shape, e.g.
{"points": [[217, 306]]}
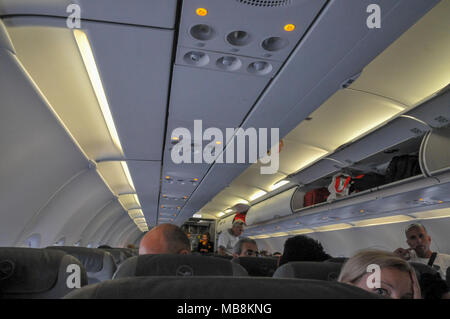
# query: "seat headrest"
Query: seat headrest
{"points": [[119, 254], [219, 287], [337, 260], [309, 270], [98, 263], [258, 266], [421, 269], [37, 273], [178, 265]]}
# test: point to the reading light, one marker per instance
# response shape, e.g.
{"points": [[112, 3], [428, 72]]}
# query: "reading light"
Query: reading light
{"points": [[257, 195], [229, 210], [220, 214], [197, 215], [201, 12], [91, 67], [289, 27]]}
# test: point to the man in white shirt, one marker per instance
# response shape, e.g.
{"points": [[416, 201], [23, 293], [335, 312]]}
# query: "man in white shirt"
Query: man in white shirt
{"points": [[228, 238], [419, 242]]}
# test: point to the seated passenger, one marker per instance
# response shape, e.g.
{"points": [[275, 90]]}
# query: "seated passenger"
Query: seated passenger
{"points": [[433, 287], [205, 245], [419, 250], [302, 248], [245, 247], [228, 238], [165, 239], [396, 277]]}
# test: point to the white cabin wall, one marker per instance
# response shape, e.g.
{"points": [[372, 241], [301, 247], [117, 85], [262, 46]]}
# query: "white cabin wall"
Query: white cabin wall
{"points": [[347, 242]]}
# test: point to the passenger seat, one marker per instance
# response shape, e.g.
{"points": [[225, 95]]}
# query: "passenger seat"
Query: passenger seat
{"points": [[34, 273], [309, 270], [219, 287], [178, 265], [258, 266], [98, 263]]}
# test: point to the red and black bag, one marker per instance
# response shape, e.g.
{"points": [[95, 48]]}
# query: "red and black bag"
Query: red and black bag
{"points": [[366, 181], [316, 196]]}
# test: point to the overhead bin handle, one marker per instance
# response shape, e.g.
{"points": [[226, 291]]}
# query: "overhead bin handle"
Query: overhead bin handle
{"points": [[417, 120]]}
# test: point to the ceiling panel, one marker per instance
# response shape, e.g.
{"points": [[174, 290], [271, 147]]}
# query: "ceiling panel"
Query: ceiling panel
{"points": [[135, 65], [157, 13], [411, 69], [146, 178], [63, 80]]}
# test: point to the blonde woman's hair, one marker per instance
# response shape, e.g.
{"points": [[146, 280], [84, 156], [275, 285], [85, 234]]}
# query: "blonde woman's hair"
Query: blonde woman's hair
{"points": [[356, 267]]}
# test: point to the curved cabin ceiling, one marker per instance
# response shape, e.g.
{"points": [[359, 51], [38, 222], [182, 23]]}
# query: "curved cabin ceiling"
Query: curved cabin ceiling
{"points": [[407, 73], [108, 96]]}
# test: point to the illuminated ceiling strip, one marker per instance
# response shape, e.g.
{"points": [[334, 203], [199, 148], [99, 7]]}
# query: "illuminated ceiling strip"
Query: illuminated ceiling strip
{"points": [[257, 195], [127, 174], [332, 227], [278, 185], [92, 70], [382, 221], [91, 67]]}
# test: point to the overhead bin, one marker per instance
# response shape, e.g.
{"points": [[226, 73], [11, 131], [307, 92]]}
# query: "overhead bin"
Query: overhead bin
{"points": [[274, 207], [387, 139], [225, 223], [434, 155]]}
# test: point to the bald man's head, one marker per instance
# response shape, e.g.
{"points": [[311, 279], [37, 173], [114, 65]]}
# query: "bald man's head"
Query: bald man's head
{"points": [[165, 239]]}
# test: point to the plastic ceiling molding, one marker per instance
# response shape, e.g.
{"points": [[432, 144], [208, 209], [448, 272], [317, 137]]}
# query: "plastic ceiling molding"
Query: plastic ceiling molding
{"points": [[72, 95]]}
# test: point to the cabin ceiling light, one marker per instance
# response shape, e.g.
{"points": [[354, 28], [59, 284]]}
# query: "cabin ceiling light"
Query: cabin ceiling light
{"points": [[197, 215], [127, 174], [229, 210], [279, 184], [301, 231], [332, 227], [91, 67], [257, 195], [220, 214], [438, 213], [382, 221]]}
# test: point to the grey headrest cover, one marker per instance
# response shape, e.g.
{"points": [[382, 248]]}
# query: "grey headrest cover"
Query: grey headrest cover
{"points": [[178, 265], [309, 270]]}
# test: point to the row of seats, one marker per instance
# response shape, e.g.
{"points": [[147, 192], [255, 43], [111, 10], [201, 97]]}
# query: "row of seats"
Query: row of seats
{"points": [[49, 273]]}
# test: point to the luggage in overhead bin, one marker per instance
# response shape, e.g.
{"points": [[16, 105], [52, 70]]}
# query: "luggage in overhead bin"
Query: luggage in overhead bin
{"points": [[402, 167], [339, 186], [316, 196], [366, 181]]}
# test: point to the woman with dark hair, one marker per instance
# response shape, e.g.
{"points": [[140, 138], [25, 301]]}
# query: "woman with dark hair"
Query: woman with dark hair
{"points": [[205, 245]]}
